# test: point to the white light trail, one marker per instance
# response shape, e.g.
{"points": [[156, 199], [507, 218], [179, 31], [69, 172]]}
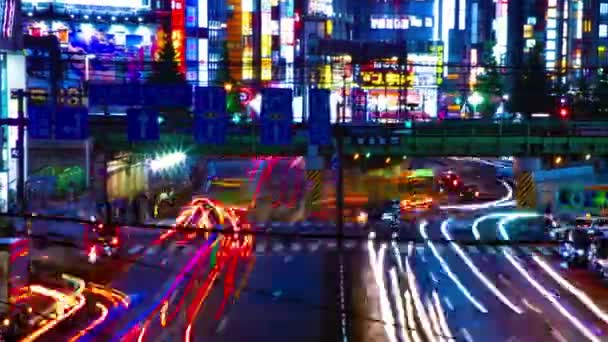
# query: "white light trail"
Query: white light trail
{"points": [[443, 323], [491, 204], [482, 277], [502, 230], [434, 320], [399, 300], [415, 296], [449, 272], [410, 317], [543, 291], [377, 263], [580, 295]]}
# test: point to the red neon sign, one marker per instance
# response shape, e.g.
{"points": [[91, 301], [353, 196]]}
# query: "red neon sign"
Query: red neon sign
{"points": [[178, 32]]}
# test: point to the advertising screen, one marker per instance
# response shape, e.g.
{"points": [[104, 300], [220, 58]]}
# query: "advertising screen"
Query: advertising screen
{"points": [[101, 52]]}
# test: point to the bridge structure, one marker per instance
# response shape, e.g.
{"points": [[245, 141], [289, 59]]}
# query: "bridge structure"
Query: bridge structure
{"points": [[447, 138]]}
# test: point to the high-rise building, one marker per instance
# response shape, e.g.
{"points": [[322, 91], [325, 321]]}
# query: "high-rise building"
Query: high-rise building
{"points": [[12, 76]]}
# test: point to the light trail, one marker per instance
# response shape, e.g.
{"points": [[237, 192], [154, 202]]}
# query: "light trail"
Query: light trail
{"points": [[502, 230], [471, 207], [477, 272], [78, 301], [448, 270], [443, 323], [579, 294], [434, 321], [377, 265], [415, 296], [399, 304], [410, 317], [543, 291], [102, 317]]}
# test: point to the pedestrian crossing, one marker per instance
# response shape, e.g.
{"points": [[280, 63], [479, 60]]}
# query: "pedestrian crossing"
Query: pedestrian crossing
{"points": [[301, 226], [280, 246]]}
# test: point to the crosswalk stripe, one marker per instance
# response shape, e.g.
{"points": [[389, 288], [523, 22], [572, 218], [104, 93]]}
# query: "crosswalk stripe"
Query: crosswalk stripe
{"points": [[490, 250], [152, 250], [296, 247], [135, 249], [473, 250]]}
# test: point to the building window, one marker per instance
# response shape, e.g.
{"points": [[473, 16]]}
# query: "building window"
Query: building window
{"points": [[603, 31], [604, 8]]}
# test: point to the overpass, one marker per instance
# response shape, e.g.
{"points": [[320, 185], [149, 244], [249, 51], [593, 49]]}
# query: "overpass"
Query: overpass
{"points": [[448, 138]]}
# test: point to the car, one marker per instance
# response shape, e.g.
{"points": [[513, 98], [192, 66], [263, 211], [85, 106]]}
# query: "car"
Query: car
{"points": [[449, 181], [574, 248], [597, 256], [469, 193]]}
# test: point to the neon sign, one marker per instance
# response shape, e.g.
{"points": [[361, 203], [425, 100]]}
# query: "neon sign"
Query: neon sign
{"points": [[178, 34]]}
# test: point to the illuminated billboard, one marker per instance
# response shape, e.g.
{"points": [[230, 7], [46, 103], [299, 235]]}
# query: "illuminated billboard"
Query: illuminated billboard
{"points": [[99, 52], [7, 18], [178, 32], [134, 4]]}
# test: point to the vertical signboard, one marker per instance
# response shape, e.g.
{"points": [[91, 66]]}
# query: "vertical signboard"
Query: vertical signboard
{"points": [[142, 124], [319, 126], [178, 32], [277, 116], [359, 105], [71, 123], [211, 118]]}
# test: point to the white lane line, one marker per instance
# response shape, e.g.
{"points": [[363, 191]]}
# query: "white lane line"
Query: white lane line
{"points": [[466, 335], [531, 307], [448, 303], [558, 336]]}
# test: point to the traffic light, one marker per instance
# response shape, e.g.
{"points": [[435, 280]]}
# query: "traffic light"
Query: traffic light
{"points": [[563, 108]]}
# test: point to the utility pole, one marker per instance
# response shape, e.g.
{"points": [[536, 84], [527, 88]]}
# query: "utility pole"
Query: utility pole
{"points": [[340, 170], [20, 95]]}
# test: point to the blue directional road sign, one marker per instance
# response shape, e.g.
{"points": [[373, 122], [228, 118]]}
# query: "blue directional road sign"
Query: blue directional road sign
{"points": [[319, 125], [39, 126], [211, 118], [142, 124], [170, 95], [277, 116], [115, 94], [72, 123]]}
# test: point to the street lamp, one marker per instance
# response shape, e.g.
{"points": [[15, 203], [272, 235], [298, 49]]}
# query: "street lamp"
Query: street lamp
{"points": [[475, 100]]}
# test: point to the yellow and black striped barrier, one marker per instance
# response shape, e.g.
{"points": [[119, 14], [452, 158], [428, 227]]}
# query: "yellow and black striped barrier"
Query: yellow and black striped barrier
{"points": [[313, 178], [525, 190]]}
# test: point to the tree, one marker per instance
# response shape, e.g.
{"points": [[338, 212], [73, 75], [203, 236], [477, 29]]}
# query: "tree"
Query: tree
{"points": [[531, 90], [166, 71], [489, 84], [166, 68], [233, 98]]}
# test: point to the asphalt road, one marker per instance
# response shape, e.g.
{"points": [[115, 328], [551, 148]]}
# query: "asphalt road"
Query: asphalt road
{"points": [[366, 290]]}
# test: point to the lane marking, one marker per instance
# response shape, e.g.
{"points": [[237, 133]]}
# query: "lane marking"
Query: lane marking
{"points": [[467, 336], [531, 307], [448, 303]]}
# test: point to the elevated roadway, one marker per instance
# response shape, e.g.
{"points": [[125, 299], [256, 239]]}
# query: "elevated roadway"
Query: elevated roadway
{"points": [[457, 138]]}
